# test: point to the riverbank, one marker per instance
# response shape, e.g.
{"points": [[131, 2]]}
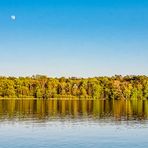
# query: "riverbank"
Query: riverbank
{"points": [[109, 88]]}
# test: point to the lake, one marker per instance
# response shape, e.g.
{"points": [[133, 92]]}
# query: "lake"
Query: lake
{"points": [[66, 123]]}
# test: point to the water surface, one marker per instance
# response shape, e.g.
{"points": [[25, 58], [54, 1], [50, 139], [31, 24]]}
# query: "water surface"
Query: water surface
{"points": [[68, 123]]}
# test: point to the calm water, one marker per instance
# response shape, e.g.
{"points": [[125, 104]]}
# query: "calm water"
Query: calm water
{"points": [[41, 123]]}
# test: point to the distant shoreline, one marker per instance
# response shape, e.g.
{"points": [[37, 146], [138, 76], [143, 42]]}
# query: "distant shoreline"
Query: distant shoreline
{"points": [[104, 88]]}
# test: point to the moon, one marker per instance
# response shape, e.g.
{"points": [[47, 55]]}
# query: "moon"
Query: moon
{"points": [[13, 17]]}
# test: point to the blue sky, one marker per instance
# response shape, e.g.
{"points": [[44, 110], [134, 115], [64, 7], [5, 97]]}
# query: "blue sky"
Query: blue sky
{"points": [[82, 38]]}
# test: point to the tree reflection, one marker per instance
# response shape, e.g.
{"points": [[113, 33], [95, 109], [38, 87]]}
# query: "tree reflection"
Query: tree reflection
{"points": [[41, 109]]}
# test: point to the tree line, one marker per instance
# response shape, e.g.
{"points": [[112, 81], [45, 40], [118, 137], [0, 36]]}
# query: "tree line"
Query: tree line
{"points": [[116, 87]]}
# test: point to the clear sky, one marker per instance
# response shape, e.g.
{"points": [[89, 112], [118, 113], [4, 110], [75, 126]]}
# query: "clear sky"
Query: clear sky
{"points": [[82, 38]]}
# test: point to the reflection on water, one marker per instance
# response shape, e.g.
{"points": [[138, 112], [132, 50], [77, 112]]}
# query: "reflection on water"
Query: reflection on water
{"points": [[100, 109], [38, 123]]}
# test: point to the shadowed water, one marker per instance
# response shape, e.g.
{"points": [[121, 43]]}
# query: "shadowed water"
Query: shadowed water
{"points": [[68, 123]]}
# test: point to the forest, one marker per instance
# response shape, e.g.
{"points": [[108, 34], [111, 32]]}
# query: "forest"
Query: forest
{"points": [[40, 86]]}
